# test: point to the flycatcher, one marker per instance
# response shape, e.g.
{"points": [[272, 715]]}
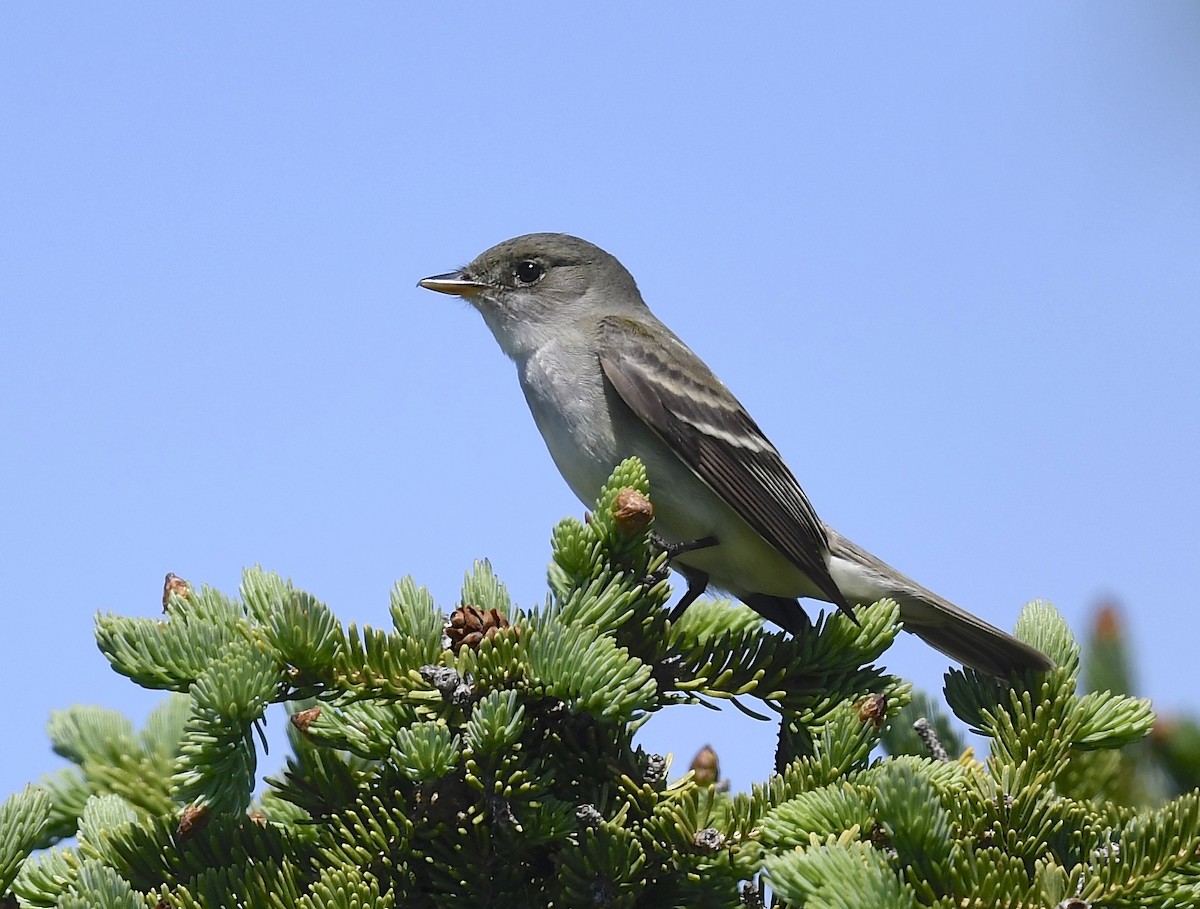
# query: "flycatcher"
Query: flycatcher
{"points": [[605, 379]]}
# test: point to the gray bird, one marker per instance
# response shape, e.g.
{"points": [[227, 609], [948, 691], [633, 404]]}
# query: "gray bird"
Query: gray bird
{"points": [[605, 379]]}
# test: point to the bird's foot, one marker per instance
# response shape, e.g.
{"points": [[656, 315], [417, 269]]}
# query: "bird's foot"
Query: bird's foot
{"points": [[671, 550], [697, 580], [677, 549]]}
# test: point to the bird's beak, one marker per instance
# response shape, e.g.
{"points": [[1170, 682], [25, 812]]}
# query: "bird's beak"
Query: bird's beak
{"points": [[454, 283]]}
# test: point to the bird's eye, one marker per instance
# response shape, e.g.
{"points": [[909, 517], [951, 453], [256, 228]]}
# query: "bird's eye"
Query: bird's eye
{"points": [[528, 272]]}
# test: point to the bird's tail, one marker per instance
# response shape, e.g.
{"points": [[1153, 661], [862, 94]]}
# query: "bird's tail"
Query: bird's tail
{"points": [[954, 631]]}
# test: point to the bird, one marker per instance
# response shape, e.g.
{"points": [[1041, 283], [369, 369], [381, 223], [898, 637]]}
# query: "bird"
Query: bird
{"points": [[605, 379]]}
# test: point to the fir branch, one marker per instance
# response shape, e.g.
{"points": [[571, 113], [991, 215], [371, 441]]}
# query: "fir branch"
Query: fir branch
{"points": [[491, 759], [23, 819], [218, 758]]}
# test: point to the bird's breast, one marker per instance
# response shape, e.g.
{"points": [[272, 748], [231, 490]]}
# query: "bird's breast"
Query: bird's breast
{"points": [[589, 430], [572, 412]]}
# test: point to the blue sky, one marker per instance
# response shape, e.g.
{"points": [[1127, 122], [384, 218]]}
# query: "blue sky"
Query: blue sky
{"points": [[948, 255]]}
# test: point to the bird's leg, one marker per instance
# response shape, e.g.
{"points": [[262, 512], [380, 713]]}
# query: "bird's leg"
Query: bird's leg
{"points": [[697, 580], [697, 584], [781, 611]]}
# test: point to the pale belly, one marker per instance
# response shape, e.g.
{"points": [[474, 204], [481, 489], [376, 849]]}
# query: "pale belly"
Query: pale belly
{"points": [[579, 432]]}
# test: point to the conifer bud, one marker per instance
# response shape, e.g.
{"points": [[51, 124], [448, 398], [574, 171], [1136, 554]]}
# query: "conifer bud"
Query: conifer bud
{"points": [[632, 511], [705, 768], [302, 719], [173, 584]]}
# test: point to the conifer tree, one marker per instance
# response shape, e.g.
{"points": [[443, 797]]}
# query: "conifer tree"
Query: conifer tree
{"points": [[489, 759]]}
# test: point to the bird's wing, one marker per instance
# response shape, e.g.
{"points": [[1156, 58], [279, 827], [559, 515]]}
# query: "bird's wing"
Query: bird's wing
{"points": [[676, 394]]}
